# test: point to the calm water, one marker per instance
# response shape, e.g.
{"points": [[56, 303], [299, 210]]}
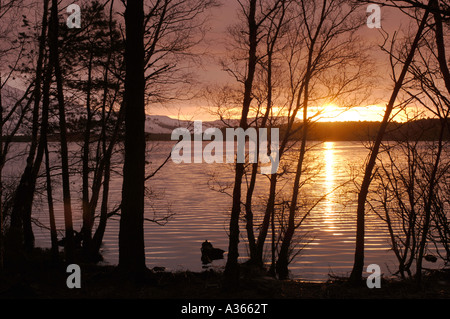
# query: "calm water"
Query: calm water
{"points": [[201, 213]]}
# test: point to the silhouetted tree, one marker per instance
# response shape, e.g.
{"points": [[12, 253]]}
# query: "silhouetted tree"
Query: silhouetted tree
{"points": [[330, 44], [356, 274], [280, 77], [427, 76], [5, 9], [253, 22], [69, 245], [275, 28], [21, 227], [131, 236], [94, 49]]}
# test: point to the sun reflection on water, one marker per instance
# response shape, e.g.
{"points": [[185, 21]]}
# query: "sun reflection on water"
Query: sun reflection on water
{"points": [[329, 214]]}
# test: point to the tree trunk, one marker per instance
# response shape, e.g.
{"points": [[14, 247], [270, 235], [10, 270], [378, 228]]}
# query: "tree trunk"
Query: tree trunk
{"points": [[54, 54], [270, 209], [232, 267], [439, 36], [256, 248], [131, 236], [87, 213], [51, 210], [21, 228], [249, 214], [2, 251], [429, 202], [99, 233], [282, 263], [356, 274], [106, 162], [255, 253], [106, 152], [44, 142]]}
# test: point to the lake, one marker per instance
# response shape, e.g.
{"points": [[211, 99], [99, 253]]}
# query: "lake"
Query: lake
{"points": [[201, 213]]}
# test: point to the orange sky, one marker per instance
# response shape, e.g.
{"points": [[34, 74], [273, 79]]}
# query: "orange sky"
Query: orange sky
{"points": [[212, 73]]}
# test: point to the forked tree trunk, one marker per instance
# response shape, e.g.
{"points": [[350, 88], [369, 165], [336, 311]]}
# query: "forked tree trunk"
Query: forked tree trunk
{"points": [[269, 212], [21, 228], [100, 231], [232, 266], [282, 263], [105, 166], [256, 248]]}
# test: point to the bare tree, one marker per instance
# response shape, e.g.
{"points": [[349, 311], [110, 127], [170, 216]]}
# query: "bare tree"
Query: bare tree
{"points": [[157, 36], [21, 228], [409, 178], [69, 246], [328, 31], [356, 274], [431, 77], [303, 63], [276, 26], [95, 49], [253, 22], [4, 9]]}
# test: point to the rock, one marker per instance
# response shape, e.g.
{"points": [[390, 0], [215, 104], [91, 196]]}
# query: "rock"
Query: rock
{"points": [[209, 253], [430, 258]]}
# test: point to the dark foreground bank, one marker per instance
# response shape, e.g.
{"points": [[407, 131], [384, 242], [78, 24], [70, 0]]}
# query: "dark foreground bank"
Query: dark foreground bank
{"points": [[38, 278]]}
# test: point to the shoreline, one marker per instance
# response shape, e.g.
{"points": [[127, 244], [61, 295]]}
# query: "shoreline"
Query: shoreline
{"points": [[348, 131], [39, 278]]}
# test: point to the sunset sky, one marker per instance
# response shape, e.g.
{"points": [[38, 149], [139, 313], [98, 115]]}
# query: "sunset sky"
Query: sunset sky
{"points": [[211, 72]]}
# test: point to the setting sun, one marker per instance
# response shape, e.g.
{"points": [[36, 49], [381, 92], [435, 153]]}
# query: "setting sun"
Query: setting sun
{"points": [[334, 113]]}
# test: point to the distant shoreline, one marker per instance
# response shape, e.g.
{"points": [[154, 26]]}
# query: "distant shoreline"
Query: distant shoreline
{"points": [[356, 131]]}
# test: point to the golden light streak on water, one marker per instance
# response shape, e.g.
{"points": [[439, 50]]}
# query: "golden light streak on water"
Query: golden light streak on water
{"points": [[329, 215]]}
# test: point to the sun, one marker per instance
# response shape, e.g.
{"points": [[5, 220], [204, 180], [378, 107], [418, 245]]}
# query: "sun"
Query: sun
{"points": [[334, 113]]}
